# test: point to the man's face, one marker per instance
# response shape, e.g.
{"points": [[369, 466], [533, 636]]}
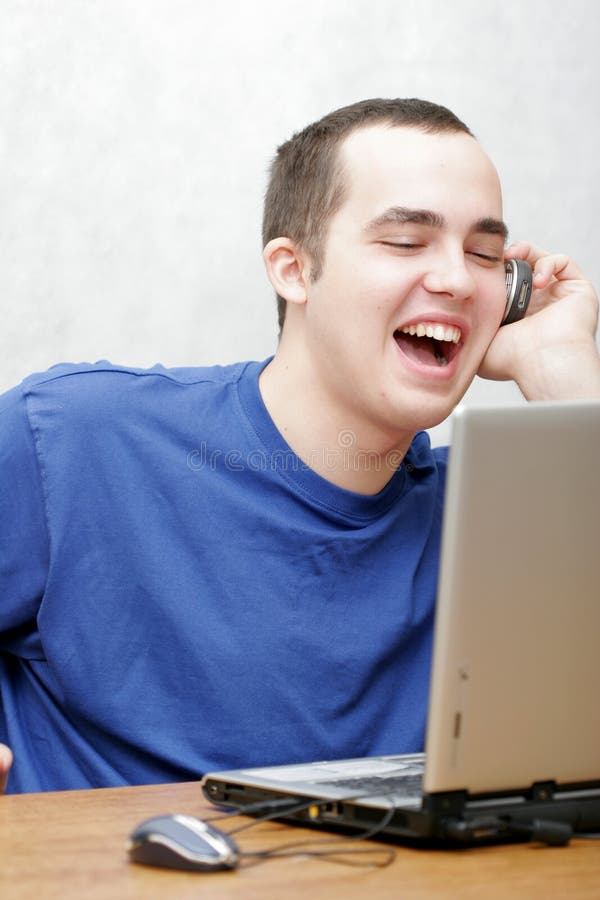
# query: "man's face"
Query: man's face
{"points": [[412, 288]]}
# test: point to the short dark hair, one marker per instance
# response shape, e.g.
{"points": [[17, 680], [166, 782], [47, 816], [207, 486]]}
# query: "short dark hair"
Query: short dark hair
{"points": [[306, 187]]}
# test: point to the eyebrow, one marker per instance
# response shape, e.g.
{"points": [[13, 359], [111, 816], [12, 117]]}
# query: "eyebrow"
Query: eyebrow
{"points": [[402, 215]]}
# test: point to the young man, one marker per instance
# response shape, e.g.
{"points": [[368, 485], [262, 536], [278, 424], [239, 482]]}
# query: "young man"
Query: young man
{"points": [[210, 568]]}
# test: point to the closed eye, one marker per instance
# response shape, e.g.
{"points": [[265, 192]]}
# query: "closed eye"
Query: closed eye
{"points": [[401, 246], [485, 256]]}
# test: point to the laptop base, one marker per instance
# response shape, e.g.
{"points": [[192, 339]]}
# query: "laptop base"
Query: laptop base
{"points": [[453, 819]]}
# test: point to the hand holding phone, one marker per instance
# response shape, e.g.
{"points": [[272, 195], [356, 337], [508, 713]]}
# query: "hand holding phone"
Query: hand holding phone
{"points": [[519, 278]]}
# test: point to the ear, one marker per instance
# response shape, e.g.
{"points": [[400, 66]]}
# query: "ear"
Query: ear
{"points": [[287, 268]]}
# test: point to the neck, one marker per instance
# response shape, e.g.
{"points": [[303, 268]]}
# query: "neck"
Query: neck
{"points": [[337, 443]]}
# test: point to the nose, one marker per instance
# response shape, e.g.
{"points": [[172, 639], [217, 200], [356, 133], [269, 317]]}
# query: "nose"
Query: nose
{"points": [[450, 275]]}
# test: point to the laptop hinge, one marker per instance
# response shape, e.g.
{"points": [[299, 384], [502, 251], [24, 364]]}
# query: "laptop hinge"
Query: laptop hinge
{"points": [[542, 790], [445, 803], [453, 803]]}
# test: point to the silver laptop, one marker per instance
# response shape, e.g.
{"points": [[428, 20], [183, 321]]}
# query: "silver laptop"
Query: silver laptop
{"points": [[513, 735]]}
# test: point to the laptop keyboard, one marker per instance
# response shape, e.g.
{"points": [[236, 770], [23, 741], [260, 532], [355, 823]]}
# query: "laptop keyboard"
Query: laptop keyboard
{"points": [[406, 785]]}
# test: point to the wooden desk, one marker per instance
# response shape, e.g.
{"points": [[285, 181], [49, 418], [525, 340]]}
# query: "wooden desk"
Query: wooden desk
{"points": [[72, 845]]}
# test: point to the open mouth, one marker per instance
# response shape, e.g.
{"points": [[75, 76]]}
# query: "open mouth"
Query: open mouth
{"points": [[429, 343]]}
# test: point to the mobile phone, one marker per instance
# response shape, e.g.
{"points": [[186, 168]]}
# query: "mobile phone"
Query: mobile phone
{"points": [[519, 278]]}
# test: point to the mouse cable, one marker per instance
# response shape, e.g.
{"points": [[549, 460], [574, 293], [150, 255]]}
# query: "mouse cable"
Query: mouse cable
{"points": [[280, 806], [293, 848], [343, 856], [339, 855]]}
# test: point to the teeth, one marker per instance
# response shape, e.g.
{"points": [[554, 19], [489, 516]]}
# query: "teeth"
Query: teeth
{"points": [[434, 330]]}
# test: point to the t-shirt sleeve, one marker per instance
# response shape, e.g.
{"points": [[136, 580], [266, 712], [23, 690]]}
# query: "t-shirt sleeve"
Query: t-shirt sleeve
{"points": [[24, 550]]}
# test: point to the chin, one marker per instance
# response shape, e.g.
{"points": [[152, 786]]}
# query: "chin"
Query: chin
{"points": [[426, 415]]}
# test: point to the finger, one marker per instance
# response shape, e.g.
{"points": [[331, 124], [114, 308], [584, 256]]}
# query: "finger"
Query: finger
{"points": [[545, 265], [6, 759]]}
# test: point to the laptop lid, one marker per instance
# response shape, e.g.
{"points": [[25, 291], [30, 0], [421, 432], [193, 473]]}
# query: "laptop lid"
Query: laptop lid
{"points": [[516, 668]]}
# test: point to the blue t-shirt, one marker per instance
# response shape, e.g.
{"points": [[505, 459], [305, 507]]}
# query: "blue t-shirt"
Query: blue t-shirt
{"points": [[180, 593]]}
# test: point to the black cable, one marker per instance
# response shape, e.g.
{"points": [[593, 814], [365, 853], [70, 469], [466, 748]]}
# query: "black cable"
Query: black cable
{"points": [[251, 808], [292, 848], [336, 856]]}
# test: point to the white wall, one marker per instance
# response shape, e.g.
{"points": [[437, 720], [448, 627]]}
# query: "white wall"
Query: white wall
{"points": [[135, 137]]}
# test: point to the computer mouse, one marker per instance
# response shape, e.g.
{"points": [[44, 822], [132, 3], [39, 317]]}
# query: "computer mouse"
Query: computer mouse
{"points": [[182, 842]]}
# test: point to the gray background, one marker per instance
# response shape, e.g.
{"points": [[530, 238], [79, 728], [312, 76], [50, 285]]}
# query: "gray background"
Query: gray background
{"points": [[135, 137]]}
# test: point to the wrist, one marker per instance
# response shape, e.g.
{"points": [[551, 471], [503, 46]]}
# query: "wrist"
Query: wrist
{"points": [[570, 372]]}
